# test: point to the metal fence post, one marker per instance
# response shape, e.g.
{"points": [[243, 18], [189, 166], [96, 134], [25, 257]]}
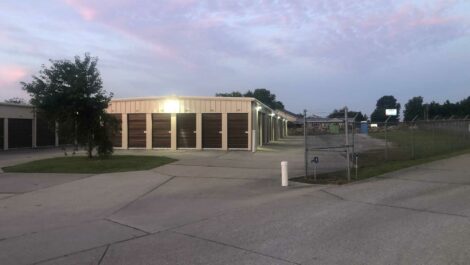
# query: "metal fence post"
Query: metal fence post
{"points": [[354, 135], [305, 144], [413, 123], [347, 142], [386, 139]]}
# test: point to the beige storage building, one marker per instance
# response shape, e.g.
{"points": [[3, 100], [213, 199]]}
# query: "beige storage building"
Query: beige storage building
{"points": [[223, 123], [21, 127]]}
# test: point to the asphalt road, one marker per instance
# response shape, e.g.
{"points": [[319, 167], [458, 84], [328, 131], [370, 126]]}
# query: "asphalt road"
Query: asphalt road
{"points": [[229, 208]]}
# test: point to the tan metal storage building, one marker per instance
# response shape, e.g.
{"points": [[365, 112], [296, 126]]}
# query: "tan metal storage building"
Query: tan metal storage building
{"points": [[22, 127], [222, 123], [225, 123]]}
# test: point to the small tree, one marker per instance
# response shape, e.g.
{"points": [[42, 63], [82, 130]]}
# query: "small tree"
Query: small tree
{"points": [[71, 93]]}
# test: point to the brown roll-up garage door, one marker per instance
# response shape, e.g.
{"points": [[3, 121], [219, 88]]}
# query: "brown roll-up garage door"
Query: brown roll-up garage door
{"points": [[45, 131], [186, 130], [211, 130], [136, 130], [2, 134], [237, 125], [116, 137], [161, 130], [20, 133]]}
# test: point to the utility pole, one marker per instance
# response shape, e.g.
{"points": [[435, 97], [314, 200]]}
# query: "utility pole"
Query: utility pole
{"points": [[347, 142], [386, 139], [305, 144]]}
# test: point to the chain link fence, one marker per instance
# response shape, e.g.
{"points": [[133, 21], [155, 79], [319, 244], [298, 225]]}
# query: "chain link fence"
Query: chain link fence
{"points": [[419, 139], [343, 147]]}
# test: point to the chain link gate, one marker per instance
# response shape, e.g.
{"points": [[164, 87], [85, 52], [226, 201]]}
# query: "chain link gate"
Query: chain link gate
{"points": [[329, 146]]}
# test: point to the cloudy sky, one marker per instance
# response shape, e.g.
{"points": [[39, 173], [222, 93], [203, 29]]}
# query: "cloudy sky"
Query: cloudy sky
{"points": [[318, 54]]}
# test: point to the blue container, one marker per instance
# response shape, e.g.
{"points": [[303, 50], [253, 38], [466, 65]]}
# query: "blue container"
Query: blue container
{"points": [[364, 127]]}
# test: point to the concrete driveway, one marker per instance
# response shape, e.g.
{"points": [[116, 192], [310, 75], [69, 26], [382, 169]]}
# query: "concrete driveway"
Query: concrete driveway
{"points": [[228, 208]]}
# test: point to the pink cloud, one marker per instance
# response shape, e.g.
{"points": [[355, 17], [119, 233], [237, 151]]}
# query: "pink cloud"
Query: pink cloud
{"points": [[11, 74], [86, 12], [347, 31]]}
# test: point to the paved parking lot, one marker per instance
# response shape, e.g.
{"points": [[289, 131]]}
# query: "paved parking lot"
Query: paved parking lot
{"points": [[228, 208]]}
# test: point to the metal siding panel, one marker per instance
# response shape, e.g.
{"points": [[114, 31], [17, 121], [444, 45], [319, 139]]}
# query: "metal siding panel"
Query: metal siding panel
{"points": [[200, 106], [212, 106]]}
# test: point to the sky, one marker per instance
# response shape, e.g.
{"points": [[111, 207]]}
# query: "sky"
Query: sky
{"points": [[316, 55]]}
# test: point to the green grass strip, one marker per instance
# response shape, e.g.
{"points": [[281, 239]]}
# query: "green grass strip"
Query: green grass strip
{"points": [[82, 164]]}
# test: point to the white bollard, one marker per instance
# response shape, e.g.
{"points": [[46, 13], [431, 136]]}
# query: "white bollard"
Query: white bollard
{"points": [[284, 174]]}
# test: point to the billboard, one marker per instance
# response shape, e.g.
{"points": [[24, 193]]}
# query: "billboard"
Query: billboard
{"points": [[391, 112]]}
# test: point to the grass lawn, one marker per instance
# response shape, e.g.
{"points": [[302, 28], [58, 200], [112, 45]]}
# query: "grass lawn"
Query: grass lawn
{"points": [[415, 144], [81, 164], [406, 148]]}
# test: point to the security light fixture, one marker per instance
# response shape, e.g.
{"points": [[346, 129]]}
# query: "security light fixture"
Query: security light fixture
{"points": [[171, 106]]}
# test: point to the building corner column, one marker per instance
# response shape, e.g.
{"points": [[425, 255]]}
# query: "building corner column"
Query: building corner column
{"points": [[224, 132], [199, 131], [173, 132], [148, 131], [124, 132]]}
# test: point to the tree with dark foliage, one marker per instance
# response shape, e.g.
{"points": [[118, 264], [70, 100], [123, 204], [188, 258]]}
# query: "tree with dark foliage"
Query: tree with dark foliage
{"points": [[383, 103], [339, 113], [16, 100], [71, 93], [261, 94], [414, 108]]}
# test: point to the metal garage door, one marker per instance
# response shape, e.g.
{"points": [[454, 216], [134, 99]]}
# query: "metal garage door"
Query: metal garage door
{"points": [[20, 133], [116, 138], [136, 130], [1, 133], [186, 130], [161, 130], [237, 125], [212, 130], [269, 129], [45, 131], [266, 128]]}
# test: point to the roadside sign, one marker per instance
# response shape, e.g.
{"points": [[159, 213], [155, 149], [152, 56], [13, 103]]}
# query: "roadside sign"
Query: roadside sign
{"points": [[391, 112]]}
